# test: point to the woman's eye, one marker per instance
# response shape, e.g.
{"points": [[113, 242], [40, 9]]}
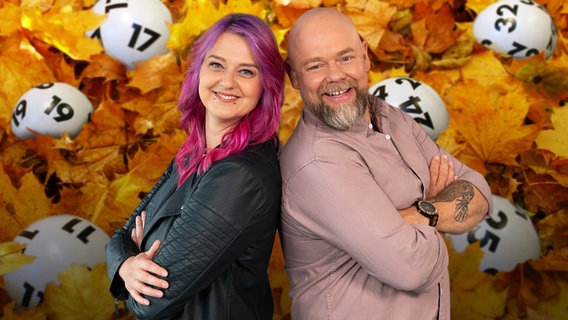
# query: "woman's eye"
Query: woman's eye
{"points": [[215, 65], [247, 72]]}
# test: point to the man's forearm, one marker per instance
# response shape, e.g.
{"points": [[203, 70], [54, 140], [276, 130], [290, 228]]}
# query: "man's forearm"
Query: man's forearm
{"points": [[461, 206]]}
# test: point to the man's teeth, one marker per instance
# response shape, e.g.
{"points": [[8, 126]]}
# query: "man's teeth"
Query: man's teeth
{"points": [[336, 93]]}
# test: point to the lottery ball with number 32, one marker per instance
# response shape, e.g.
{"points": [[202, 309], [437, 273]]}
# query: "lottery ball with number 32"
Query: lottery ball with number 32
{"points": [[51, 108], [518, 28]]}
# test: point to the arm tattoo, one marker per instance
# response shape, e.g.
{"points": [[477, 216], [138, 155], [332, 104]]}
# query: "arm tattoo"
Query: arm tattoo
{"points": [[463, 192]]}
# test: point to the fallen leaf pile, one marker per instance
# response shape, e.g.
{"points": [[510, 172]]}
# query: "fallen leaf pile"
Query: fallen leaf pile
{"points": [[508, 119]]}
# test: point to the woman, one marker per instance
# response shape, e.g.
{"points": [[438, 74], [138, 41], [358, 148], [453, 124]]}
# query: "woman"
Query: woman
{"points": [[198, 246]]}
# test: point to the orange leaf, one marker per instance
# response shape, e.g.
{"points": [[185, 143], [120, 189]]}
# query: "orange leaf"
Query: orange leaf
{"points": [[434, 31], [491, 120]]}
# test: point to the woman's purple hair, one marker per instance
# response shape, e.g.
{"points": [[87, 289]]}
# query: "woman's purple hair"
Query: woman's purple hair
{"points": [[260, 124]]}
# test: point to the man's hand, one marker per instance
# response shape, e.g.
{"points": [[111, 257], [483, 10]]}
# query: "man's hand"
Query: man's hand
{"points": [[139, 274], [441, 175]]}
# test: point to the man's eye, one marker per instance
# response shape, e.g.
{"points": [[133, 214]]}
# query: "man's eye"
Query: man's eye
{"points": [[313, 67], [346, 58]]}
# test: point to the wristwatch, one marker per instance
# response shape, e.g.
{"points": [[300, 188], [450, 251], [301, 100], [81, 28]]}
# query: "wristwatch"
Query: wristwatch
{"points": [[427, 209]]}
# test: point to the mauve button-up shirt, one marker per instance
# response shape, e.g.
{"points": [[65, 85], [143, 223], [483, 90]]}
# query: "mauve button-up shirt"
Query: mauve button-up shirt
{"points": [[348, 253]]}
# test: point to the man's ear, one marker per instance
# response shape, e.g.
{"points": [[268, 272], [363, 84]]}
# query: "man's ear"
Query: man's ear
{"points": [[291, 75], [366, 55]]}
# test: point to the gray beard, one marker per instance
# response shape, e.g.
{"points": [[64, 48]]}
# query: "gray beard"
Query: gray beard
{"points": [[342, 117]]}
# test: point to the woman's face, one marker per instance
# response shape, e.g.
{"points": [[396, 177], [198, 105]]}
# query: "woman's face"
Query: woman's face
{"points": [[229, 83]]}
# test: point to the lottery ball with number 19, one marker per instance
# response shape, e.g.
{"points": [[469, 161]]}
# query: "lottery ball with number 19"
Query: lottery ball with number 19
{"points": [[51, 108]]}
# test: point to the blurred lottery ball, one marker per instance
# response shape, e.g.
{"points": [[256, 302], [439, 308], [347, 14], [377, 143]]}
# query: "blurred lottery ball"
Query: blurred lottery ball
{"points": [[134, 30], [507, 238], [518, 28], [51, 108], [56, 242], [417, 99]]}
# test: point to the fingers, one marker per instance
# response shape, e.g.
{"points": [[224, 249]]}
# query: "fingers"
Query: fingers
{"points": [[138, 231], [153, 249], [442, 173], [140, 275]]}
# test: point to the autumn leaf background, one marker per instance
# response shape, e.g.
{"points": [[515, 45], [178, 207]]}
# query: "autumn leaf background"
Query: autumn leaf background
{"points": [[508, 119]]}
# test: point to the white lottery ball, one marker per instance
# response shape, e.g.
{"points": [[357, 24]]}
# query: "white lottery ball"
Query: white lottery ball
{"points": [[518, 28], [56, 242], [51, 108], [507, 238], [134, 30], [417, 99]]}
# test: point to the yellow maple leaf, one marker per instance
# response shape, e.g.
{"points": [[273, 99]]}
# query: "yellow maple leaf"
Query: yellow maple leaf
{"points": [[291, 111], [20, 207], [53, 28], [12, 257], [155, 158], [107, 127], [486, 68], [473, 296], [154, 72], [554, 308], [479, 5], [550, 227], [10, 313], [10, 22], [371, 19], [555, 139], [82, 294], [21, 68], [542, 76], [491, 120], [184, 32]]}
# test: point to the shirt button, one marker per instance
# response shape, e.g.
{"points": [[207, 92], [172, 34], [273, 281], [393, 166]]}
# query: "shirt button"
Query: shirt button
{"points": [[388, 137]]}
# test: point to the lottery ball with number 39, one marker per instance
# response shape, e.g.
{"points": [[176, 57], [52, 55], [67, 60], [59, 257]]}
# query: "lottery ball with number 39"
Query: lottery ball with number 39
{"points": [[417, 99], [57, 242], [507, 238], [134, 30], [518, 28], [51, 108]]}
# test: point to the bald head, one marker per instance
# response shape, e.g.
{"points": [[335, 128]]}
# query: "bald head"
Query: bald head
{"points": [[328, 63], [319, 24]]}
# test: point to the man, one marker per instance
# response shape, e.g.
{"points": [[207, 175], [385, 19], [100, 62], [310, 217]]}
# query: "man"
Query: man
{"points": [[355, 244]]}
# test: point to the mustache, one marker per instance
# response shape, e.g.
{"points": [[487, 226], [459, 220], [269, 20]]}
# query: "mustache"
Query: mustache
{"points": [[329, 88]]}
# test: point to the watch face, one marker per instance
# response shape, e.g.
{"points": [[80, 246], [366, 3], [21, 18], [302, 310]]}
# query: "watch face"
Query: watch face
{"points": [[427, 206]]}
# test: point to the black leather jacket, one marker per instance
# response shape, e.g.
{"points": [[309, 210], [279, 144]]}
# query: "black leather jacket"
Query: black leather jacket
{"points": [[217, 231]]}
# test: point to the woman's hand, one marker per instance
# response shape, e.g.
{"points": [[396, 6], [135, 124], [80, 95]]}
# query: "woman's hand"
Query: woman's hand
{"points": [[441, 175], [138, 231], [139, 274]]}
